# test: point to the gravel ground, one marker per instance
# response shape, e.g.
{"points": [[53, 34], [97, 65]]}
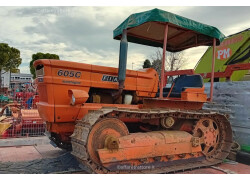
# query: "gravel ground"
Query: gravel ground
{"points": [[66, 164], [63, 163]]}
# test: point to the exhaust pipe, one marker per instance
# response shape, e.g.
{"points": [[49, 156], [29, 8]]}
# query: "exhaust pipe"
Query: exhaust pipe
{"points": [[122, 62]]}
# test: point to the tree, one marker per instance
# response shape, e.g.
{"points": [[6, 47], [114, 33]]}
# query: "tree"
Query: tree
{"points": [[156, 61], [15, 70], [174, 61], [147, 64], [40, 55], [9, 59], [156, 64]]}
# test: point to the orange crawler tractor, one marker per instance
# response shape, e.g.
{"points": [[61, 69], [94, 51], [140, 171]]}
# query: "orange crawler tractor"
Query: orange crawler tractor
{"points": [[120, 121]]}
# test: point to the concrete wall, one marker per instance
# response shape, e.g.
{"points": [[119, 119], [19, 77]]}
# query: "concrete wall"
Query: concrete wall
{"points": [[233, 98]]}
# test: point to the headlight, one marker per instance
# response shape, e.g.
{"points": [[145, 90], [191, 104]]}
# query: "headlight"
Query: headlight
{"points": [[73, 100], [77, 96]]}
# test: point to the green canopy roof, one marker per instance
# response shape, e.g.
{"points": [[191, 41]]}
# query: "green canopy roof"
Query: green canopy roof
{"points": [[148, 27]]}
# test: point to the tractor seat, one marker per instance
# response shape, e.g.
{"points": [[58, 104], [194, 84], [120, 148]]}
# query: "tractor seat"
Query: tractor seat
{"points": [[181, 83]]}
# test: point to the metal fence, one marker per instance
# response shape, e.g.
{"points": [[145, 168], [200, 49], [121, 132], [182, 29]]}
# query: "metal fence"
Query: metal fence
{"points": [[19, 116]]}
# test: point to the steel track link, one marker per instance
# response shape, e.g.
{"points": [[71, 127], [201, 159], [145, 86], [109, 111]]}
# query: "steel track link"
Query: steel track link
{"points": [[82, 128]]}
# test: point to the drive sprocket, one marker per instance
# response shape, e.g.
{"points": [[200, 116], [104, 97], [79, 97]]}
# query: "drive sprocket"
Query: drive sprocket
{"points": [[210, 135]]}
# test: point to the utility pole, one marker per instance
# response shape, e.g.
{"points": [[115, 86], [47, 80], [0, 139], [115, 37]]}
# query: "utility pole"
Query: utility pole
{"points": [[132, 65]]}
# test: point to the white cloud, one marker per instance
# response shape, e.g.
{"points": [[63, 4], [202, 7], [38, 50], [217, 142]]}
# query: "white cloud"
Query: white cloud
{"points": [[84, 34], [243, 25], [24, 69], [193, 55]]}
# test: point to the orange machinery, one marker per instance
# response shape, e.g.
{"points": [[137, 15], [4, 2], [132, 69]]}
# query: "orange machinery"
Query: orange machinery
{"points": [[120, 121], [89, 84]]}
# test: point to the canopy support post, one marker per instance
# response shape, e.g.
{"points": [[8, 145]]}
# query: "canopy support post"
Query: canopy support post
{"points": [[212, 73], [163, 61]]}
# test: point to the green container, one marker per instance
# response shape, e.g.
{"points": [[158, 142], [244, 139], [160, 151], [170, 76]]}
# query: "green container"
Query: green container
{"points": [[4, 98], [245, 148]]}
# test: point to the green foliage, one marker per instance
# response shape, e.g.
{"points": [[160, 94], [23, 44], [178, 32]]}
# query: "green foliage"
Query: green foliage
{"points": [[40, 55], [15, 70], [4, 54], [147, 64], [9, 57]]}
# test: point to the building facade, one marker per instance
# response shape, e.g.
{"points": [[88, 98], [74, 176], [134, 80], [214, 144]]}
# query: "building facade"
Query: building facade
{"points": [[5, 79], [18, 80], [11, 81]]}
